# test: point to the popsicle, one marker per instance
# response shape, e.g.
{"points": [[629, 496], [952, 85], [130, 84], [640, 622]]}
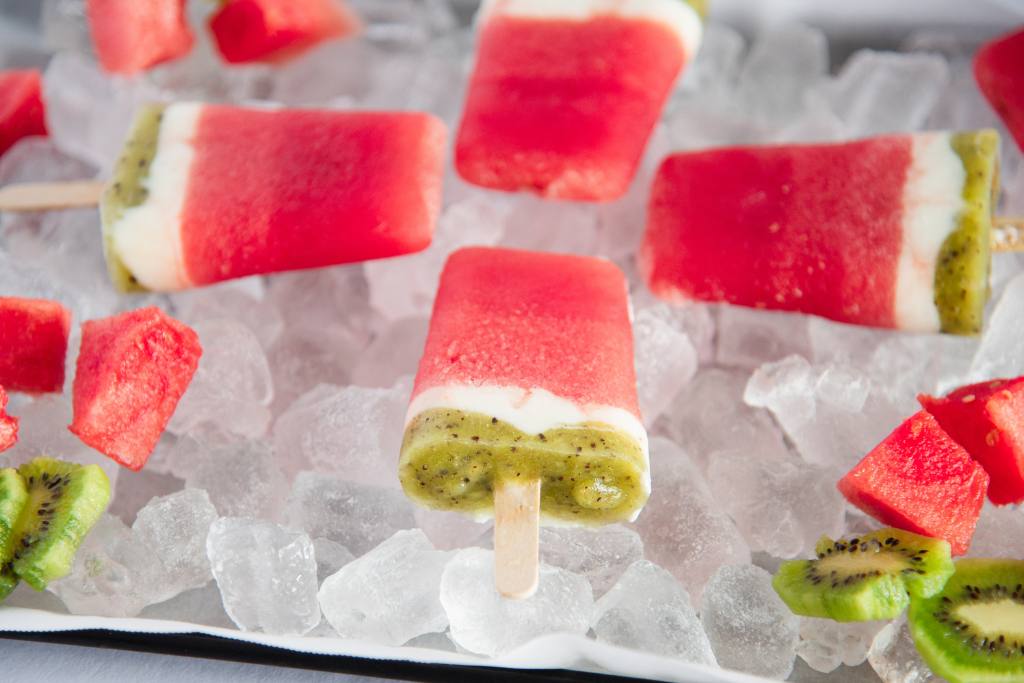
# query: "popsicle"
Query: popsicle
{"points": [[893, 231], [33, 344], [133, 36], [205, 193], [565, 93], [278, 30], [526, 391], [21, 107], [999, 71]]}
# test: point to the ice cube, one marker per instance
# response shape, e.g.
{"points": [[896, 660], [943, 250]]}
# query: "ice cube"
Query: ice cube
{"points": [[394, 352], [174, 528], [1002, 346], [750, 628], [358, 517], [709, 415], [230, 301], [540, 224], [452, 530], [748, 338], [330, 557], [485, 623], [138, 488], [196, 606], [405, 287], [266, 575], [389, 595], [717, 64], [826, 645], [243, 478], [114, 574], [665, 361], [648, 610], [787, 388], [895, 659], [781, 65], [683, 527], [782, 506], [232, 388], [353, 433], [37, 159], [602, 555], [886, 92]]}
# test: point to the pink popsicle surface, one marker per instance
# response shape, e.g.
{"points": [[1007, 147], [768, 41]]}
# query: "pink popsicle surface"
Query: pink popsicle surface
{"points": [[563, 106], [237, 192], [862, 232]]}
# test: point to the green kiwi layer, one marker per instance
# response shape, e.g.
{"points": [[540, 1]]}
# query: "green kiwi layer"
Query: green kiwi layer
{"points": [[127, 189], [864, 578], [973, 630], [64, 501], [590, 473], [962, 273]]}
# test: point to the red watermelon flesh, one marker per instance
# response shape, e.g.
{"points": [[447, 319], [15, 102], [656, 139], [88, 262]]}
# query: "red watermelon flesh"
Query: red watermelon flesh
{"points": [[21, 107], [920, 480], [999, 71], [134, 35], [277, 30], [132, 370], [987, 419], [33, 344], [8, 424], [564, 108]]}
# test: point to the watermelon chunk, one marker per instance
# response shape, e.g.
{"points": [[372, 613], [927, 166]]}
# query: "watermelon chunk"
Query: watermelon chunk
{"points": [[1000, 75], [920, 480], [278, 30], [33, 344], [987, 419], [22, 112], [133, 35], [132, 371], [8, 424]]}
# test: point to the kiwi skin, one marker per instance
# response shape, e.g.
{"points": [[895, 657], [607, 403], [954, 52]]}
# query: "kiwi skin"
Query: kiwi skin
{"points": [[65, 500], [13, 497], [951, 645], [865, 578]]}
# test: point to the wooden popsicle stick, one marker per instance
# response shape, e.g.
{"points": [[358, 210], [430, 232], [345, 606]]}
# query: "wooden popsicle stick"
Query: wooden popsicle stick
{"points": [[1007, 233], [51, 196], [517, 538]]}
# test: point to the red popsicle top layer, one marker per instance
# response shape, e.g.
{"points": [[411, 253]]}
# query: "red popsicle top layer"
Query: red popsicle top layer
{"points": [[999, 70], [811, 228], [511, 318]]}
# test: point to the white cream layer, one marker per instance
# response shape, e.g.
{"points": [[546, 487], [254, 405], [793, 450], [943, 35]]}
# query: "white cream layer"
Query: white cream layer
{"points": [[932, 203], [676, 15], [531, 411], [147, 239]]}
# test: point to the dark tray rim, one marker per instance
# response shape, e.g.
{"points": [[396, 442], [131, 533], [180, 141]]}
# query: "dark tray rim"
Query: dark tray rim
{"points": [[205, 646]]}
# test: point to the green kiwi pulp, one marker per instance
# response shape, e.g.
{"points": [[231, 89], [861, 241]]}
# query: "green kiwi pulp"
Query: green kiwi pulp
{"points": [[865, 578], [128, 189], [973, 630], [13, 497], [64, 501]]}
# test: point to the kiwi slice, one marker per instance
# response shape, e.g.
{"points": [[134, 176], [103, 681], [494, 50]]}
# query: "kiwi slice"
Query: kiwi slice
{"points": [[973, 630], [64, 501], [13, 496], [865, 578]]}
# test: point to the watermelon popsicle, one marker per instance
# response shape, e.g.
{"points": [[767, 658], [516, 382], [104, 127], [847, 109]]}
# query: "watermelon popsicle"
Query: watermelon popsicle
{"points": [[527, 379], [565, 93], [894, 231], [205, 193]]}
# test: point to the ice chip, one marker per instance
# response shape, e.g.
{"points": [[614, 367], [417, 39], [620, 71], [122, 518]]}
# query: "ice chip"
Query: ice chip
{"points": [[648, 610], [358, 517], [999, 533], [394, 352], [174, 528], [895, 659], [266, 575], [785, 387], [1002, 345], [665, 361], [683, 527], [717, 64], [540, 224], [138, 488], [485, 623], [602, 555], [451, 530], [242, 477], [750, 628], [390, 594], [781, 65], [228, 300], [748, 338], [826, 645], [330, 557]]}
